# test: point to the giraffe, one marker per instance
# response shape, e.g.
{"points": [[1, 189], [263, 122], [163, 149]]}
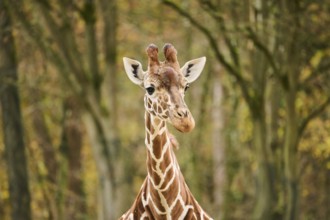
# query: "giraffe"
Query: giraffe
{"points": [[164, 193]]}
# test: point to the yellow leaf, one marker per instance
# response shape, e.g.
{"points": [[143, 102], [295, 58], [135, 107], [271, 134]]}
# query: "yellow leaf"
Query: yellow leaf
{"points": [[305, 72], [316, 59]]}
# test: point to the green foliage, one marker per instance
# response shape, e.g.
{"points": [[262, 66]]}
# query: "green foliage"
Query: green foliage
{"points": [[266, 56]]}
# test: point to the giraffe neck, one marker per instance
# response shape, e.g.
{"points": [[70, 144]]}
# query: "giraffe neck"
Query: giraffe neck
{"points": [[164, 194], [161, 161], [166, 188]]}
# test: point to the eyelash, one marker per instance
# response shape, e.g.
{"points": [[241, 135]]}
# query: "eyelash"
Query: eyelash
{"points": [[186, 87]]}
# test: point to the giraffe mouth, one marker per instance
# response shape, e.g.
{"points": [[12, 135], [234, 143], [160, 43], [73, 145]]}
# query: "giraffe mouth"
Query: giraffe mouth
{"points": [[183, 124]]}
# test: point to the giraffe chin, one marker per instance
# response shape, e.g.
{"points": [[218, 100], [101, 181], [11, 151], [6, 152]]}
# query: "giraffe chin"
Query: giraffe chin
{"points": [[183, 125]]}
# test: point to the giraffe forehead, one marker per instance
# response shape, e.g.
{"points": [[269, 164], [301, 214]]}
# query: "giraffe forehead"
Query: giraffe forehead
{"points": [[170, 77], [166, 77]]}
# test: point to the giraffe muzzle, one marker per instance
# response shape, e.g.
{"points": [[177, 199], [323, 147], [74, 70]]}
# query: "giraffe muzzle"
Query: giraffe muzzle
{"points": [[182, 120]]}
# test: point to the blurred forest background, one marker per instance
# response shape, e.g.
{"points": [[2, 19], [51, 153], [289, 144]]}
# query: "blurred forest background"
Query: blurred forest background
{"points": [[73, 128]]}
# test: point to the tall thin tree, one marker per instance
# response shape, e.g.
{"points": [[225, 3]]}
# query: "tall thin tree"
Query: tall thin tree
{"points": [[12, 122]]}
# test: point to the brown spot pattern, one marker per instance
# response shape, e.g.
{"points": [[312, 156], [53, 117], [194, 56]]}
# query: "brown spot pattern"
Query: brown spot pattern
{"points": [[164, 193]]}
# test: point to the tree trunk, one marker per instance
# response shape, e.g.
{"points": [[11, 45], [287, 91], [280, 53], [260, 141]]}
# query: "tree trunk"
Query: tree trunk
{"points": [[218, 142], [290, 152], [45, 143], [84, 80], [49, 155], [100, 147], [292, 65], [75, 207], [200, 164], [264, 203], [264, 174], [273, 101], [122, 188], [12, 122]]}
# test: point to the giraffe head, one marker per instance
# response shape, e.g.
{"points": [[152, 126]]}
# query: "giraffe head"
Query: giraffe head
{"points": [[165, 84]]}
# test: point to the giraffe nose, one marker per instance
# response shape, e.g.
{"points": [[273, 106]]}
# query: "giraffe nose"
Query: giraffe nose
{"points": [[182, 112]]}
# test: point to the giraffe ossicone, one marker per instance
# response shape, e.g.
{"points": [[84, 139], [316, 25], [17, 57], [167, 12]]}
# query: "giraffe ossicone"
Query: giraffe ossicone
{"points": [[164, 193]]}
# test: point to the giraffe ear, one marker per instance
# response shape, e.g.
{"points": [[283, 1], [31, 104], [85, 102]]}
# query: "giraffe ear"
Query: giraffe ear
{"points": [[193, 68], [133, 70]]}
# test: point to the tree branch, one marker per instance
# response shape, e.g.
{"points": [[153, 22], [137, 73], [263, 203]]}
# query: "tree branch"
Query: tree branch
{"points": [[89, 16], [65, 43], [316, 112], [36, 37], [214, 45], [208, 35], [109, 15], [255, 39], [321, 70], [210, 8], [71, 40]]}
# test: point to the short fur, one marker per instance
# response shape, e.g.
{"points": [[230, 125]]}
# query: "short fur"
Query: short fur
{"points": [[164, 193]]}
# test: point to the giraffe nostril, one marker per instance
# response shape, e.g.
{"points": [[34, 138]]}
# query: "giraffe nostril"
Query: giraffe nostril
{"points": [[182, 113]]}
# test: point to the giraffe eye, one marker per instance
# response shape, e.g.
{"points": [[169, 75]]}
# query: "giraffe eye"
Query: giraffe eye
{"points": [[187, 87], [150, 90]]}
